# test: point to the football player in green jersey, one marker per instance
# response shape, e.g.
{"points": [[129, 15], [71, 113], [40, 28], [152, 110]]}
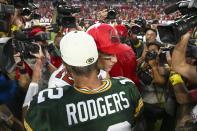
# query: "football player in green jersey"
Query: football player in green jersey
{"points": [[90, 104]]}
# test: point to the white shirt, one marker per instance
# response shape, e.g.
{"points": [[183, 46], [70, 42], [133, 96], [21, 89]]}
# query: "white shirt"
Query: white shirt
{"points": [[60, 77]]}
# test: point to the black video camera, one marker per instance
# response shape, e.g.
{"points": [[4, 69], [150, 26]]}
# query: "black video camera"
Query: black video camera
{"points": [[111, 14], [24, 44], [67, 10], [30, 11], [172, 33], [25, 47], [67, 21], [150, 55], [141, 22], [64, 17], [162, 54]]}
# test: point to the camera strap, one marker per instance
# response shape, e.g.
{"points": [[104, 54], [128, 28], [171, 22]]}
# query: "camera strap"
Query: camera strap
{"points": [[159, 95]]}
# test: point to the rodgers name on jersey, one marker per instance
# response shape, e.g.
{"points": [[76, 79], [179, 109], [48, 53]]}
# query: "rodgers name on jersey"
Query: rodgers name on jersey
{"points": [[112, 106], [92, 109]]}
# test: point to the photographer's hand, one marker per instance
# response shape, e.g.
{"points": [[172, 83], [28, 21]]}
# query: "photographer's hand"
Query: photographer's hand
{"points": [[17, 57], [37, 71], [152, 63], [24, 78], [39, 54], [142, 58]]}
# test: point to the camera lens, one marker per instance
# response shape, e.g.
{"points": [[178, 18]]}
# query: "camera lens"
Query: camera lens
{"points": [[33, 48]]}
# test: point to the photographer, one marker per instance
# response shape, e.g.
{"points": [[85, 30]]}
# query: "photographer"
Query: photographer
{"points": [[134, 41], [48, 68], [149, 37], [126, 64], [36, 77], [179, 63], [155, 94]]}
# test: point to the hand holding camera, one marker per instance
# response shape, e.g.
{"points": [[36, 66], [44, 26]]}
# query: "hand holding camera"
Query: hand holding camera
{"points": [[39, 54]]}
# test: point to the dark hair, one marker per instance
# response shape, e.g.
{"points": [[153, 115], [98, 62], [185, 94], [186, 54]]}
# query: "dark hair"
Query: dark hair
{"points": [[79, 70], [158, 44], [151, 30], [155, 21]]}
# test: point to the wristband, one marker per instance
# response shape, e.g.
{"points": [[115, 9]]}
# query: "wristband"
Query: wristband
{"points": [[175, 79]]}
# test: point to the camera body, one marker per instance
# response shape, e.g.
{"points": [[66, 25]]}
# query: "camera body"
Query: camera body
{"points": [[64, 16], [111, 14], [141, 22], [172, 33], [150, 55], [24, 44], [25, 47], [163, 53], [68, 10], [145, 76]]}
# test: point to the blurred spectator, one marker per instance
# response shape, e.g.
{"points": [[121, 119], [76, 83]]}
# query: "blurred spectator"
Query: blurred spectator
{"points": [[156, 96], [150, 35], [127, 11]]}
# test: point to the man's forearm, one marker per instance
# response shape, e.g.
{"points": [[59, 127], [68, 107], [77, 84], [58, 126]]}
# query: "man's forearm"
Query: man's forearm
{"points": [[179, 88], [179, 64], [178, 56], [181, 94]]}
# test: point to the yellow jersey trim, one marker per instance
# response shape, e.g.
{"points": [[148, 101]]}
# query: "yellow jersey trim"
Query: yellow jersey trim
{"points": [[106, 85], [138, 45], [139, 107], [27, 126]]}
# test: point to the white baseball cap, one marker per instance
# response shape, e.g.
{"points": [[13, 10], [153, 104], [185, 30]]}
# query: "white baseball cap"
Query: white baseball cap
{"points": [[78, 49]]}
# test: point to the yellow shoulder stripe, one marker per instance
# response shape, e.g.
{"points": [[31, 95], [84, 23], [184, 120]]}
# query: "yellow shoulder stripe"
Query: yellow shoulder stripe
{"points": [[139, 107], [106, 84], [27, 127]]}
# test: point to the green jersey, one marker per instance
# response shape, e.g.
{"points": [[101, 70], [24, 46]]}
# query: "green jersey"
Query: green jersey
{"points": [[111, 107]]}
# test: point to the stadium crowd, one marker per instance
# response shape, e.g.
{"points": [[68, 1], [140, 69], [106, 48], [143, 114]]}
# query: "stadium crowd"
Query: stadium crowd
{"points": [[127, 11], [97, 65]]}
